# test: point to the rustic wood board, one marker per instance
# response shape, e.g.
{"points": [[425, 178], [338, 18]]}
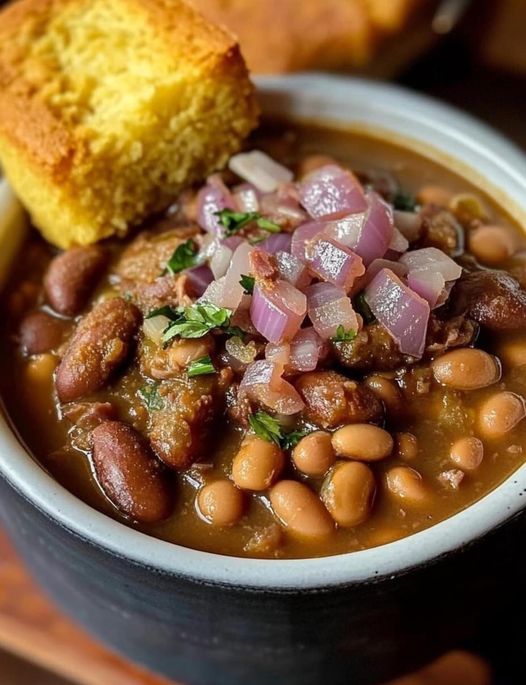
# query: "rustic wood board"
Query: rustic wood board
{"points": [[31, 627]]}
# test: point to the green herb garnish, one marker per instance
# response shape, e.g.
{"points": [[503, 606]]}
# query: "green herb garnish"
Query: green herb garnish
{"points": [[171, 313], [200, 367], [248, 284], [404, 202], [361, 307], [269, 428], [235, 221], [266, 426], [184, 257], [343, 335], [197, 320], [150, 397], [290, 440]]}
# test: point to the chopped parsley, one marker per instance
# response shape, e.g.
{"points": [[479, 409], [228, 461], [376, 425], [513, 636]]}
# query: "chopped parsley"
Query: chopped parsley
{"points": [[150, 397], [248, 284], [343, 335], [361, 307], [168, 311], [200, 367], [184, 257], [404, 202], [267, 427], [196, 321], [234, 221]]}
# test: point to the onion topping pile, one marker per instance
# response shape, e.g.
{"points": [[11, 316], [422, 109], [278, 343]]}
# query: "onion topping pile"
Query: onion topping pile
{"points": [[299, 264]]}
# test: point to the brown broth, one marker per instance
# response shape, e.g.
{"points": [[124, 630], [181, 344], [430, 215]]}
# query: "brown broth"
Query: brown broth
{"points": [[437, 419]]}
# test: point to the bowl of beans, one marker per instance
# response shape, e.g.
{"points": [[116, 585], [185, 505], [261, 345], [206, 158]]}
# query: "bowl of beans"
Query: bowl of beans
{"points": [[278, 433]]}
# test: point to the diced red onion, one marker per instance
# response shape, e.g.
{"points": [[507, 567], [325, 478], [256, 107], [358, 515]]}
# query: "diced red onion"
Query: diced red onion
{"points": [[239, 266], [246, 198], [303, 235], [400, 310], [333, 263], [432, 259], [277, 242], [305, 349], [408, 223], [260, 170], [428, 284], [366, 234], [331, 190], [277, 310], [233, 241], [375, 267], [212, 199], [278, 353], [283, 206], [293, 270], [220, 260], [328, 308], [199, 278], [399, 242], [263, 383], [214, 293]]}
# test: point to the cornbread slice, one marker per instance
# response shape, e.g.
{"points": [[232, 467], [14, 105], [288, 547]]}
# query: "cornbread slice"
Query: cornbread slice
{"points": [[108, 108]]}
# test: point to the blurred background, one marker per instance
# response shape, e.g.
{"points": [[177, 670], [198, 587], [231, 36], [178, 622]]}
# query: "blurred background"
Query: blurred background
{"points": [[471, 53]]}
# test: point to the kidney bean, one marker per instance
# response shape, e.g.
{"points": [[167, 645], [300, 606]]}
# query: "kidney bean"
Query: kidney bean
{"points": [[98, 347], [39, 332], [129, 474], [71, 278]]}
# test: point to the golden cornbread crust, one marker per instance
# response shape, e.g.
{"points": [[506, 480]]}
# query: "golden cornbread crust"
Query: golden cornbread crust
{"points": [[108, 109]]}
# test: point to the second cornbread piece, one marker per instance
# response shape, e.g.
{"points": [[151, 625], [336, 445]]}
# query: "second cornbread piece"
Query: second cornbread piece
{"points": [[108, 109]]}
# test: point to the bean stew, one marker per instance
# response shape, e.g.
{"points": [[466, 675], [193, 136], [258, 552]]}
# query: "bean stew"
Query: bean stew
{"points": [[319, 351]]}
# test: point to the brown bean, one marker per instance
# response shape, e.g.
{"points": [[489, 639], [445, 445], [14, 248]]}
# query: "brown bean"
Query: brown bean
{"points": [[406, 484], [220, 503], [71, 278], [348, 493], [492, 245], [386, 391], [129, 474], [513, 352], [300, 511], [406, 446], [313, 455], [363, 442], [466, 369], [467, 453], [39, 332], [500, 413], [98, 347], [257, 464]]}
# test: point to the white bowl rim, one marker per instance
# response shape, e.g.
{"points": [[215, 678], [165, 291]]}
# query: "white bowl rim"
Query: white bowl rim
{"points": [[346, 100]]}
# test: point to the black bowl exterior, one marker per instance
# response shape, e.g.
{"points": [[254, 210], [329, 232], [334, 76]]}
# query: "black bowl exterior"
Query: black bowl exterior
{"points": [[206, 634]]}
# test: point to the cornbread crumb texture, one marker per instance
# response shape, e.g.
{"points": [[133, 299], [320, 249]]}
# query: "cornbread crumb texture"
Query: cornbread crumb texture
{"points": [[108, 109]]}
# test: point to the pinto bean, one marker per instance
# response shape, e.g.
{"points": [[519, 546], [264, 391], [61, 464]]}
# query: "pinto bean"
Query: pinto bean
{"points": [[129, 474], [98, 347], [363, 442], [492, 245], [467, 453], [71, 278], [299, 510], [332, 400], [314, 455], [348, 493], [406, 484], [500, 413], [257, 464], [39, 332], [220, 503], [466, 369]]}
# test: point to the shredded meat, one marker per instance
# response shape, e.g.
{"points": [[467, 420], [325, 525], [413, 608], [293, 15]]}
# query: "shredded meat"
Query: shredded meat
{"points": [[238, 405], [180, 430], [443, 334], [89, 415], [373, 349], [332, 400], [491, 298], [440, 229]]}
